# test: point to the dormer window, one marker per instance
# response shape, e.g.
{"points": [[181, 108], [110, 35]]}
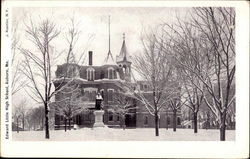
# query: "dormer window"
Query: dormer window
{"points": [[90, 74], [111, 73], [72, 71]]}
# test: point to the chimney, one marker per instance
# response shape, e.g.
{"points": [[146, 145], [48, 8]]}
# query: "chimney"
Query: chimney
{"points": [[90, 58]]}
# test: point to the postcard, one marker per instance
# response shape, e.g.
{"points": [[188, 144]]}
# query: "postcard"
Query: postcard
{"points": [[158, 79]]}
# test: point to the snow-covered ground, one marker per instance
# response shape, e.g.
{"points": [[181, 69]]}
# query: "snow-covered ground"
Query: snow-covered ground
{"points": [[139, 134]]}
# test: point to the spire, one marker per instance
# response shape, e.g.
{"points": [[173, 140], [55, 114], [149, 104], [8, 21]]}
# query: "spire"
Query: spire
{"points": [[109, 60], [109, 33], [123, 36], [123, 56]]}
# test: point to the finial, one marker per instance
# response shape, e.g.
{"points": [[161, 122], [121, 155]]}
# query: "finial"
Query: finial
{"points": [[123, 36], [109, 33]]}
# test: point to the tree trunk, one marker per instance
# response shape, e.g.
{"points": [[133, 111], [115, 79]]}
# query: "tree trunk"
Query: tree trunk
{"points": [[17, 127], [174, 120], [123, 122], [46, 121], [42, 124], [23, 122], [69, 124], [195, 122], [65, 124], [223, 127], [208, 121], [156, 124], [167, 120]]}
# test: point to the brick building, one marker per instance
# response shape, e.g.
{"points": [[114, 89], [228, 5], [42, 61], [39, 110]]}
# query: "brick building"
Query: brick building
{"points": [[107, 79]]}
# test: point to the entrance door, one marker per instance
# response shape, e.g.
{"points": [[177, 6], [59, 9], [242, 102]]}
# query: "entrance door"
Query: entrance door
{"points": [[130, 120]]}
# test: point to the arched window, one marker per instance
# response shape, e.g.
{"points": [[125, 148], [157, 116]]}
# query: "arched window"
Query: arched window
{"points": [[102, 93], [90, 93], [91, 74], [72, 71], [111, 73], [110, 94]]}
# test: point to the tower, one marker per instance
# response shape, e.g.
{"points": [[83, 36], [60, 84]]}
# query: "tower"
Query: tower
{"points": [[124, 60]]}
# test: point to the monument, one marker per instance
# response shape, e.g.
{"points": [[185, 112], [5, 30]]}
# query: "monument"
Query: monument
{"points": [[98, 112]]}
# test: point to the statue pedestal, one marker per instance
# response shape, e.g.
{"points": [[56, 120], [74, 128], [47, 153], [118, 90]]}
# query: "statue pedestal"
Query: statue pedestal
{"points": [[98, 118]]}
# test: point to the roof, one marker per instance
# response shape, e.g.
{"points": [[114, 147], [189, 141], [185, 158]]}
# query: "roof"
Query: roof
{"points": [[123, 56], [100, 71]]}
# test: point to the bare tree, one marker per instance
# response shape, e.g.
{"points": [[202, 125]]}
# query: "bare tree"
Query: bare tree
{"points": [[156, 70], [175, 103], [36, 118], [38, 64], [217, 26], [37, 67], [195, 99], [71, 103], [205, 47], [193, 95], [17, 80], [122, 105], [19, 114]]}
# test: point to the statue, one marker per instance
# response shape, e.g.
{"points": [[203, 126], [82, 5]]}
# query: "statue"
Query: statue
{"points": [[98, 102], [98, 111]]}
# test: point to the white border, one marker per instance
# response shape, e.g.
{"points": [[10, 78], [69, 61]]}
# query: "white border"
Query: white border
{"points": [[229, 149]]}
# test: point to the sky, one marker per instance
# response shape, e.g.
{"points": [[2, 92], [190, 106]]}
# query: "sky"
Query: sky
{"points": [[92, 23]]}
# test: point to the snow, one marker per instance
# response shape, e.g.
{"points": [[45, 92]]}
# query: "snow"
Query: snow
{"points": [[115, 134]]}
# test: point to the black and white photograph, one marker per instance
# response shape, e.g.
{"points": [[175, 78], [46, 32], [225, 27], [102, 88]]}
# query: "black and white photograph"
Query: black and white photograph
{"points": [[124, 73]]}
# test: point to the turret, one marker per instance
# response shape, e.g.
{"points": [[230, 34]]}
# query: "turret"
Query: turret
{"points": [[123, 60]]}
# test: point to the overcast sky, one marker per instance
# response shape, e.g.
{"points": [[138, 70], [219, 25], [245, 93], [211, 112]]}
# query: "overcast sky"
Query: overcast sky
{"points": [[93, 22]]}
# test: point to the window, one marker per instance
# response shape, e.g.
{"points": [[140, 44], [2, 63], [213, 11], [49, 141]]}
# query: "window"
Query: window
{"points": [[82, 92], [168, 120], [141, 87], [110, 94], [72, 71], [102, 74], [111, 73], [110, 117], [178, 121], [90, 93], [118, 118], [91, 74], [146, 120], [102, 93]]}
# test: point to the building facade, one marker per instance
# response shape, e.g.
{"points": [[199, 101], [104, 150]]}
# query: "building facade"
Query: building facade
{"points": [[107, 80]]}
